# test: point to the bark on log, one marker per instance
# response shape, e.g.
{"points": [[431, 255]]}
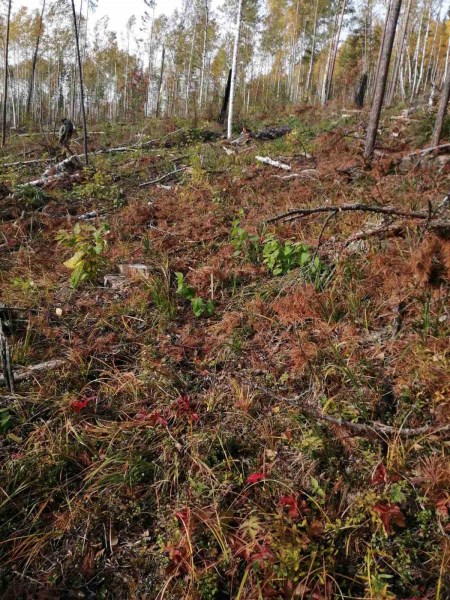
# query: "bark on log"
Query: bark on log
{"points": [[28, 372]]}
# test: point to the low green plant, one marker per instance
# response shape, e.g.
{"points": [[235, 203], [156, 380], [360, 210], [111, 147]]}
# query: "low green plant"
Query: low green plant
{"points": [[200, 307], [279, 257], [89, 244], [244, 243], [31, 196], [5, 420], [99, 186]]}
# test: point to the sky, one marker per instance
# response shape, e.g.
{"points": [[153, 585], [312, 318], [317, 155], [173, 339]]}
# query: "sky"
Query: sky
{"points": [[119, 11]]}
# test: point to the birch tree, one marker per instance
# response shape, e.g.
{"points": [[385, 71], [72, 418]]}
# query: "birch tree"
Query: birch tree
{"points": [[233, 69], [80, 71], [5, 80], [34, 61]]}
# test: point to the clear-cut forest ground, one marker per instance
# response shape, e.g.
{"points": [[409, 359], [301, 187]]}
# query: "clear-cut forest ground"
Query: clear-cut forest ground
{"points": [[259, 410]]}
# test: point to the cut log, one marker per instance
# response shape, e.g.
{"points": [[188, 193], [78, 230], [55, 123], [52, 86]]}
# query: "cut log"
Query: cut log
{"points": [[114, 281], [130, 270], [273, 163]]}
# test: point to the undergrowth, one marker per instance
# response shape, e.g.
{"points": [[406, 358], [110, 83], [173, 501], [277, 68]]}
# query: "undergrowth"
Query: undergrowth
{"points": [[174, 454]]}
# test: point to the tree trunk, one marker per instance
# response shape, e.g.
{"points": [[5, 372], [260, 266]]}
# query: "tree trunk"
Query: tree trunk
{"points": [[335, 50], [33, 65], [416, 59], [233, 70], [313, 50], [205, 45], [147, 108], [5, 83], [189, 73], [361, 91], [424, 49], [323, 98], [398, 58], [226, 99], [83, 110], [380, 83], [380, 54], [158, 100], [442, 110]]}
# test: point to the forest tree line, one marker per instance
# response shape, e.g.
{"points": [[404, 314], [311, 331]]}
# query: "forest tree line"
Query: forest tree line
{"points": [[290, 52]]}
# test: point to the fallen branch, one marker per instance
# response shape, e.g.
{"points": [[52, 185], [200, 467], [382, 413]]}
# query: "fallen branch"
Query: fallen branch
{"points": [[395, 230], [305, 174], [273, 163], [25, 163], [425, 151], [371, 428], [302, 212], [147, 183], [26, 373]]}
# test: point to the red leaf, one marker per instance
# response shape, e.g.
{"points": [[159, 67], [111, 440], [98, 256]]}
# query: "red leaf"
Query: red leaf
{"points": [[154, 418], [290, 502], [379, 476], [263, 557], [255, 477], [78, 405], [184, 515], [183, 408], [389, 514]]}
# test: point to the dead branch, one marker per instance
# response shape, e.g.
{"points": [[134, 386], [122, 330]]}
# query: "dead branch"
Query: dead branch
{"points": [[370, 428], [298, 213], [145, 184], [28, 372], [382, 232], [273, 163], [305, 174], [25, 163], [442, 148]]}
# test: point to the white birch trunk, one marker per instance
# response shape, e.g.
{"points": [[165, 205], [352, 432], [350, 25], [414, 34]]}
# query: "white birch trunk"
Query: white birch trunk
{"points": [[233, 70]]}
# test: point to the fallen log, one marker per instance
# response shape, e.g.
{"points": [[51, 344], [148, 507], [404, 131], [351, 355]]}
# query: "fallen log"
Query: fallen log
{"points": [[28, 372], [67, 168], [271, 133], [273, 163]]}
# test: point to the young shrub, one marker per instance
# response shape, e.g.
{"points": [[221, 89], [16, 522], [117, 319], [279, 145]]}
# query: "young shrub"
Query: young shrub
{"points": [[89, 245], [200, 307]]}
